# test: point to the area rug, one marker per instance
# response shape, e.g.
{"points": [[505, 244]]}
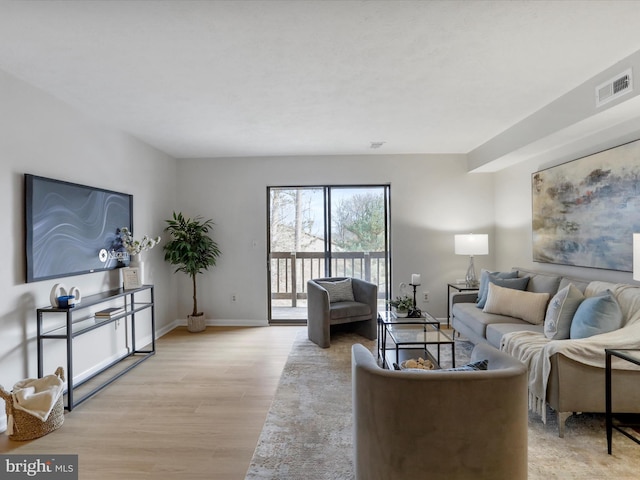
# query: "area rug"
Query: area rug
{"points": [[308, 430]]}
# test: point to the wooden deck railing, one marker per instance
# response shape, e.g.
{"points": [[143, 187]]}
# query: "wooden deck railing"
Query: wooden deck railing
{"points": [[291, 270]]}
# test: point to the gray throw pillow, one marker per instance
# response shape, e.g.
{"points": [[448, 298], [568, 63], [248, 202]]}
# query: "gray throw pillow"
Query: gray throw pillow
{"points": [[339, 291], [469, 367]]}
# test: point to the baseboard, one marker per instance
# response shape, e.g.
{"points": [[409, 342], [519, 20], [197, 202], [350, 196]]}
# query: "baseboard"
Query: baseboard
{"points": [[226, 323]]}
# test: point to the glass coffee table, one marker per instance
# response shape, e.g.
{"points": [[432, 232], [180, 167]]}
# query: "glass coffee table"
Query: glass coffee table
{"points": [[407, 338]]}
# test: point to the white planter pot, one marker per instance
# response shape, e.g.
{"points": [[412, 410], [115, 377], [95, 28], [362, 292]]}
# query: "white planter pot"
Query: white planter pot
{"points": [[402, 314]]}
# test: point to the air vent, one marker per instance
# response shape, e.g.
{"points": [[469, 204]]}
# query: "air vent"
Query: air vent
{"points": [[614, 88]]}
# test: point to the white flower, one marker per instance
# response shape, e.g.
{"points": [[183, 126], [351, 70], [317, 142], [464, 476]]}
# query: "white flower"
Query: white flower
{"points": [[134, 247]]}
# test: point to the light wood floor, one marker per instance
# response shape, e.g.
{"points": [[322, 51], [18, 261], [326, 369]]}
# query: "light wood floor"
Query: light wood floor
{"points": [[192, 411]]}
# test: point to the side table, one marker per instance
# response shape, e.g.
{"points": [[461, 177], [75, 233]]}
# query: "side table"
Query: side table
{"points": [[410, 333], [456, 287], [631, 355]]}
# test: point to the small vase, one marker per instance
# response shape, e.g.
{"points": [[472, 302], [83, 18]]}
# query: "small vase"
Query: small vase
{"points": [[402, 313], [136, 262]]}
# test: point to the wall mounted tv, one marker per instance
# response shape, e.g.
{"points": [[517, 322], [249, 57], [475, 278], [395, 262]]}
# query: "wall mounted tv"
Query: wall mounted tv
{"points": [[73, 229]]}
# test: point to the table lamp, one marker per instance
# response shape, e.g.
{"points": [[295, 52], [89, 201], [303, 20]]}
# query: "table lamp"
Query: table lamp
{"points": [[471, 245]]}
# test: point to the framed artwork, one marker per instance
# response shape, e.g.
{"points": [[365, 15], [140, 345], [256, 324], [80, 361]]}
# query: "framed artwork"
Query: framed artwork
{"points": [[131, 277], [586, 211]]}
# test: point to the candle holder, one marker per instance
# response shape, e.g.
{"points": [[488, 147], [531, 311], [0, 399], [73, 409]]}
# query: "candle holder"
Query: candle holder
{"points": [[415, 311]]}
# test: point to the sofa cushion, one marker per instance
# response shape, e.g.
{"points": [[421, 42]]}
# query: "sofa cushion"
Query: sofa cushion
{"points": [[595, 315], [579, 284], [339, 291], [543, 283], [528, 306], [476, 320], [483, 288], [560, 312], [495, 331]]}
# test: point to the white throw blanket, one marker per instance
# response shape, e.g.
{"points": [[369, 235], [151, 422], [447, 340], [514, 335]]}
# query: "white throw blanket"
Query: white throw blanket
{"points": [[535, 350], [36, 397]]}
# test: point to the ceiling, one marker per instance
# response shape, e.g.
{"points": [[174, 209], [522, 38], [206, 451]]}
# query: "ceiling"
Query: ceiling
{"points": [[267, 78]]}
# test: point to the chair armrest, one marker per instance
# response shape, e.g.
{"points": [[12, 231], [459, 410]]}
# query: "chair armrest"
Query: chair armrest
{"points": [[317, 301], [365, 292]]}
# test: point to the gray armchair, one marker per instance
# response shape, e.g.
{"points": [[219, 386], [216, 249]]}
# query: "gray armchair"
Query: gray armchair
{"points": [[440, 425], [324, 311]]}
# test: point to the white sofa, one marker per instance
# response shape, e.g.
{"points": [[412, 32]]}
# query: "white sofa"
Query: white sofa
{"points": [[568, 375]]}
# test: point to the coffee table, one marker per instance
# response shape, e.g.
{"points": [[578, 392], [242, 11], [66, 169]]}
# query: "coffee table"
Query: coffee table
{"points": [[410, 336]]}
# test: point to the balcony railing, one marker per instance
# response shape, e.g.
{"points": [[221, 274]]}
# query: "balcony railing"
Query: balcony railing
{"points": [[291, 270]]}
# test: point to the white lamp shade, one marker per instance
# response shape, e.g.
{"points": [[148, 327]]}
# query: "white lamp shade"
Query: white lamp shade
{"points": [[471, 244], [636, 256]]}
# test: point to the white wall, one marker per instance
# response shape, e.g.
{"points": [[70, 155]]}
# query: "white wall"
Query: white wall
{"points": [[513, 210], [432, 198], [43, 136]]}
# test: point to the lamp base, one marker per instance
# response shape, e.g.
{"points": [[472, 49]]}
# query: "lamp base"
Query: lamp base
{"points": [[471, 279]]}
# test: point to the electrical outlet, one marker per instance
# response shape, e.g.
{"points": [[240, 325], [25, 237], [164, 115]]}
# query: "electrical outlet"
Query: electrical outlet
{"points": [[234, 298], [426, 297]]}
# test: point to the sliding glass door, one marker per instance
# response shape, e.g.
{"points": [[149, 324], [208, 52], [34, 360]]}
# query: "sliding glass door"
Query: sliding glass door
{"points": [[324, 231]]}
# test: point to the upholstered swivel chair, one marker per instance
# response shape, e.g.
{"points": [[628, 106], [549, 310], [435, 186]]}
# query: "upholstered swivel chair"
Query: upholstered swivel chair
{"points": [[340, 300], [440, 425]]}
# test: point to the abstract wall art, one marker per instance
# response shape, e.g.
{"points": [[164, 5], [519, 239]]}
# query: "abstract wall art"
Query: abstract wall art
{"points": [[586, 211]]}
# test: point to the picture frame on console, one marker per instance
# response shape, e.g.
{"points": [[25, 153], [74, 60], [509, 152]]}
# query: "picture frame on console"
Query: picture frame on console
{"points": [[131, 278], [585, 211]]}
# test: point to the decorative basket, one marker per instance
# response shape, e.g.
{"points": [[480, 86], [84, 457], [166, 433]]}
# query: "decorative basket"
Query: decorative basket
{"points": [[196, 323], [28, 427]]}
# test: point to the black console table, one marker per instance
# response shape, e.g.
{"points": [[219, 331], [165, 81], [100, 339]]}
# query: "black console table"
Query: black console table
{"points": [[618, 422], [80, 320]]}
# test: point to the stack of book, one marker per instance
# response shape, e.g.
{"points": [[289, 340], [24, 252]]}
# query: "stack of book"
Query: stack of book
{"points": [[109, 312]]}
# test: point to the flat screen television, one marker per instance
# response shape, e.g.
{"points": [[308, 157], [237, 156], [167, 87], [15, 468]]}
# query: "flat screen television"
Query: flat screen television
{"points": [[73, 229]]}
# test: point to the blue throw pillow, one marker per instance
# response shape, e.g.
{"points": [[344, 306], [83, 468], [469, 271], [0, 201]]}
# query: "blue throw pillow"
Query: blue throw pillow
{"points": [[511, 281], [598, 314]]}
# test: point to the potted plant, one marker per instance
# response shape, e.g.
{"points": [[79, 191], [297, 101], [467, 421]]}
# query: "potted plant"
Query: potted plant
{"points": [[403, 304], [192, 250]]}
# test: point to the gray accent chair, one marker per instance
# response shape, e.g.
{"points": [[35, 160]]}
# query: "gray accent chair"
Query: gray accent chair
{"points": [[440, 425], [321, 314]]}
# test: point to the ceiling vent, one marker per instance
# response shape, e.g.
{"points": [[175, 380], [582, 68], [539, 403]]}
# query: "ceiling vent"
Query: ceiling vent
{"points": [[614, 88]]}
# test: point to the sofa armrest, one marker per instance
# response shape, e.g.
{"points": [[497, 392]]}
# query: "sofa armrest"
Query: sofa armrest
{"points": [[464, 297]]}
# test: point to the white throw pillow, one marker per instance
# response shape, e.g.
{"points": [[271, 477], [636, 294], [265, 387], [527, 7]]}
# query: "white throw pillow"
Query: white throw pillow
{"points": [[528, 306], [339, 291], [562, 307]]}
